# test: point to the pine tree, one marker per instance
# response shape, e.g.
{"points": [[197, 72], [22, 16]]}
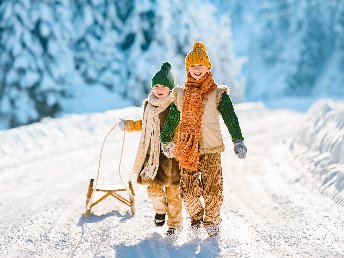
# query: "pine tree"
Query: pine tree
{"points": [[113, 43], [36, 60], [312, 56], [95, 51], [275, 28], [140, 57], [268, 32], [340, 34]]}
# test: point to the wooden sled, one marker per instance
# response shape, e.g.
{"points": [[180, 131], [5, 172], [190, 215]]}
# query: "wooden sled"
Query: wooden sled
{"points": [[110, 190], [115, 191]]}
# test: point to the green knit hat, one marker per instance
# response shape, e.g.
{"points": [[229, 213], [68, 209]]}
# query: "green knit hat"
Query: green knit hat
{"points": [[164, 76]]}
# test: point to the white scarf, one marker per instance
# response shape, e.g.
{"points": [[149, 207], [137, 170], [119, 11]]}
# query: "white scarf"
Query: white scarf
{"points": [[150, 136]]}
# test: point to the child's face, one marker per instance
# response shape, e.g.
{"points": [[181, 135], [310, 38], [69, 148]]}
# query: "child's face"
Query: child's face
{"points": [[161, 91], [197, 71]]}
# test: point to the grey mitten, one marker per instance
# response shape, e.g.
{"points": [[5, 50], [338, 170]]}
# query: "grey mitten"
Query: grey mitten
{"points": [[121, 124], [240, 149], [167, 149]]}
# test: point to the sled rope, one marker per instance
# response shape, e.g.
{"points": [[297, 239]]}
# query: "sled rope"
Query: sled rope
{"points": [[120, 162], [99, 161]]}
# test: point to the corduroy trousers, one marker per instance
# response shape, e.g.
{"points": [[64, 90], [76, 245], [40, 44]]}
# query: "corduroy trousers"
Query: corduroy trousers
{"points": [[167, 199], [206, 182]]}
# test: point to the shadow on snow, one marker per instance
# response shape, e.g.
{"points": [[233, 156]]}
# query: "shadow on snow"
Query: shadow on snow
{"points": [[158, 246]]}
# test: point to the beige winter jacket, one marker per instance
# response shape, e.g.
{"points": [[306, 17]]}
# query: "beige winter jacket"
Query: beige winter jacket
{"points": [[169, 171]]}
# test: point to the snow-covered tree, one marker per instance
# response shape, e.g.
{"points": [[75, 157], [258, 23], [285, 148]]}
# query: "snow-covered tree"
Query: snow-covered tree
{"points": [[113, 39], [139, 59], [149, 33], [53, 48], [95, 51], [36, 59], [339, 30], [312, 56]]}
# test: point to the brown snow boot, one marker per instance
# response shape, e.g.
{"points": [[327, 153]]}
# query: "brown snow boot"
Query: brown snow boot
{"points": [[196, 224]]}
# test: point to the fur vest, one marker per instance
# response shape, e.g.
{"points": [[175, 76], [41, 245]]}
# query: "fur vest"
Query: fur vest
{"points": [[211, 139]]}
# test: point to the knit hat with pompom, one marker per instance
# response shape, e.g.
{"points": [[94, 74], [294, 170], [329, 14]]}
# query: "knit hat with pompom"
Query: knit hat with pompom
{"points": [[164, 76], [198, 55]]}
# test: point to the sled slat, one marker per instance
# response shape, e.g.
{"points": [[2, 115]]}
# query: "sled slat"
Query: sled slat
{"points": [[100, 199], [121, 198], [105, 188], [109, 190]]}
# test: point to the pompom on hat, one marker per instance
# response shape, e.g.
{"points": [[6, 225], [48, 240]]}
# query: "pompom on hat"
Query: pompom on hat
{"points": [[164, 76], [198, 55]]}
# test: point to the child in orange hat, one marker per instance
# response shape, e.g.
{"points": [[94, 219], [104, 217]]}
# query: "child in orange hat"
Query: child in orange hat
{"points": [[198, 106]]}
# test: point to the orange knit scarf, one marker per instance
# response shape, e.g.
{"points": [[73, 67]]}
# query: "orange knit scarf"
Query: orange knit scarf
{"points": [[186, 150]]}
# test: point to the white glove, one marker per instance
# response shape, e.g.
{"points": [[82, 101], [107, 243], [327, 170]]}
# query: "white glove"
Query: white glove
{"points": [[240, 149], [121, 124], [167, 149]]}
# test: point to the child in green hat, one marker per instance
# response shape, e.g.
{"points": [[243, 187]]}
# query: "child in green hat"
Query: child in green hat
{"points": [[160, 172]]}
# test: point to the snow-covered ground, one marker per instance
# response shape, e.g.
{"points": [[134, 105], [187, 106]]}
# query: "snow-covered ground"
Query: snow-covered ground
{"points": [[270, 208], [320, 147]]}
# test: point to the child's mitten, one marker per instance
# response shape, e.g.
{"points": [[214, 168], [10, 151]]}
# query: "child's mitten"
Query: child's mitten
{"points": [[167, 149], [122, 124], [240, 149]]}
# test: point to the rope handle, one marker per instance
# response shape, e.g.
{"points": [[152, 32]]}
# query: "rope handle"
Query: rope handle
{"points": [[119, 165]]}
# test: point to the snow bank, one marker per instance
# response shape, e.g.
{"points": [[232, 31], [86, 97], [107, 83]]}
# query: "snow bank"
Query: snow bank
{"points": [[320, 145], [50, 136]]}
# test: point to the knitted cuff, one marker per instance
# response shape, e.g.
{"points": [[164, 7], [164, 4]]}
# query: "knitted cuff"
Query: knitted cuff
{"points": [[133, 126]]}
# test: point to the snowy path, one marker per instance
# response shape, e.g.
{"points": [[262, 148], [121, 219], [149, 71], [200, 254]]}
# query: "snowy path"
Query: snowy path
{"points": [[269, 210]]}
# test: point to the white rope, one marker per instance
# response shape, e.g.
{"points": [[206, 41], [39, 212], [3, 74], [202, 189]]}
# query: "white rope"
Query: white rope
{"points": [[120, 162], [99, 162]]}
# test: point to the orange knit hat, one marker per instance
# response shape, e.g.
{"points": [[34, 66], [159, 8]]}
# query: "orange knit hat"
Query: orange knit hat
{"points": [[198, 55]]}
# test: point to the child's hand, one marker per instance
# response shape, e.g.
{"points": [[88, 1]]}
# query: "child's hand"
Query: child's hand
{"points": [[121, 124], [240, 149], [167, 149]]}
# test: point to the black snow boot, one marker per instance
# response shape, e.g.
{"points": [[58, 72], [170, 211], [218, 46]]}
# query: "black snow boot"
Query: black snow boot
{"points": [[159, 219], [171, 231], [196, 224]]}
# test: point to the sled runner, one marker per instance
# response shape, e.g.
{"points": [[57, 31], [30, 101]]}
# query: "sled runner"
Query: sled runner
{"points": [[115, 191]]}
